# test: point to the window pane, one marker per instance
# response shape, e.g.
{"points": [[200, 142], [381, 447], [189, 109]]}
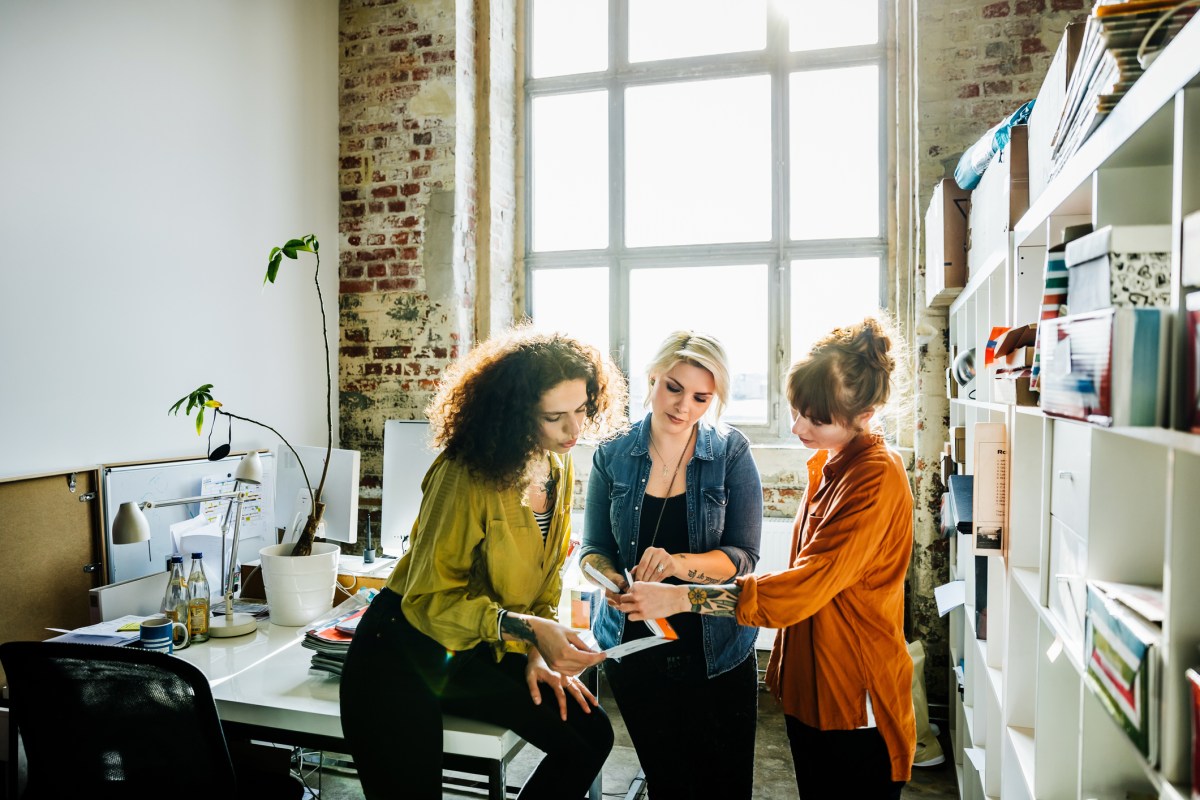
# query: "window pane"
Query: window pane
{"points": [[680, 28], [817, 24], [573, 301], [569, 36], [834, 149], [729, 303], [689, 179], [828, 293], [570, 171]]}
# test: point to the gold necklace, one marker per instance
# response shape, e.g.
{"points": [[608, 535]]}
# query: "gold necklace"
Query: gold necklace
{"points": [[674, 475], [663, 461]]}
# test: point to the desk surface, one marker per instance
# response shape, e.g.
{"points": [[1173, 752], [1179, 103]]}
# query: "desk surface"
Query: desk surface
{"points": [[264, 681]]}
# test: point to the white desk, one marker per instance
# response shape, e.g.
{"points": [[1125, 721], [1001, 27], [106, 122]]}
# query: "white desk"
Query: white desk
{"points": [[265, 690]]}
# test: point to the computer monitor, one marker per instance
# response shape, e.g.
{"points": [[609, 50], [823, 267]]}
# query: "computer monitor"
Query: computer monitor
{"points": [[340, 495], [407, 455]]}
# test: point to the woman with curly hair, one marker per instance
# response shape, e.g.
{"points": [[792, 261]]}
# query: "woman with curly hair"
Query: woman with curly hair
{"points": [[465, 624]]}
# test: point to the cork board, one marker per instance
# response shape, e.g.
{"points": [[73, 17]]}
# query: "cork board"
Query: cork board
{"points": [[48, 536]]}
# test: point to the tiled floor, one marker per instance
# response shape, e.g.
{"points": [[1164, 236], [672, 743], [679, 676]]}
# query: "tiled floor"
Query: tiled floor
{"points": [[773, 775]]}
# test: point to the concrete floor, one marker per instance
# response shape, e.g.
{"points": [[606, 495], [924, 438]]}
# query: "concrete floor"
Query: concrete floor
{"points": [[773, 775]]}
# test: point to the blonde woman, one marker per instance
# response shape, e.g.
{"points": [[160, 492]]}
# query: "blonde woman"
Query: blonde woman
{"points": [[678, 499]]}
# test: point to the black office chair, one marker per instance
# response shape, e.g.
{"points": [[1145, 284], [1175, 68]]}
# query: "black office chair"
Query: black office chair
{"points": [[99, 721]]}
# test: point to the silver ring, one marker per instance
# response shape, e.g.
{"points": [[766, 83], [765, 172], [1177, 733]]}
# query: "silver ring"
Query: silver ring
{"points": [[660, 568]]}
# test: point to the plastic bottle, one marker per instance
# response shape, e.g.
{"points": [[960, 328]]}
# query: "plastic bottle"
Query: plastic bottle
{"points": [[175, 601], [199, 600]]}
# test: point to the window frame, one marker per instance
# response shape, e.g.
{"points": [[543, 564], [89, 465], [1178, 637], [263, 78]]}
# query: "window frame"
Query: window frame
{"points": [[778, 252]]}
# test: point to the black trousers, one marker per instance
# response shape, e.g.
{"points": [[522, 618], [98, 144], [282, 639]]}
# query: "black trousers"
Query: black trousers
{"points": [[841, 764], [694, 736], [397, 684]]}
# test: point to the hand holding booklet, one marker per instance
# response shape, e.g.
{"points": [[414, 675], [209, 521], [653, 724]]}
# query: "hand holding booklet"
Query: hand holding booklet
{"points": [[662, 630]]}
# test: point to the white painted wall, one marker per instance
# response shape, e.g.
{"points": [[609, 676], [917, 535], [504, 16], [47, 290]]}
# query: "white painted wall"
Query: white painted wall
{"points": [[151, 154]]}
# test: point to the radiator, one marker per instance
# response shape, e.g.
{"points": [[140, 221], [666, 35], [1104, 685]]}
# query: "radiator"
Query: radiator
{"points": [[774, 554], [776, 545]]}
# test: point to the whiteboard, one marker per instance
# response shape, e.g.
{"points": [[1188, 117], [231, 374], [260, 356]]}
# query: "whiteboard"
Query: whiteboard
{"points": [[171, 480], [407, 456]]}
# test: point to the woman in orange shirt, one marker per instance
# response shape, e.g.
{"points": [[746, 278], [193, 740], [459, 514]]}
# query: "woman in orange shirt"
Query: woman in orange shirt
{"points": [[840, 665]]}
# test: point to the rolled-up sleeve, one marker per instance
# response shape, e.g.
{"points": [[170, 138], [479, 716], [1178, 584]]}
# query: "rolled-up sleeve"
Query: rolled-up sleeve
{"points": [[836, 555], [742, 536], [597, 530], [436, 599]]}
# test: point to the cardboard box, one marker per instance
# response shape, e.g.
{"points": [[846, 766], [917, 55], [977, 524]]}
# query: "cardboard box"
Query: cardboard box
{"points": [[958, 443], [1048, 108], [1014, 391], [946, 243], [1119, 266], [989, 516], [1000, 199]]}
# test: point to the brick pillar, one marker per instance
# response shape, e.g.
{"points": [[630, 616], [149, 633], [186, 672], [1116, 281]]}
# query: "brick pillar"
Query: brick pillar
{"points": [[407, 211]]}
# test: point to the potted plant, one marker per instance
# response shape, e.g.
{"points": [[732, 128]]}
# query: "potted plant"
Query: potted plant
{"points": [[202, 397]]}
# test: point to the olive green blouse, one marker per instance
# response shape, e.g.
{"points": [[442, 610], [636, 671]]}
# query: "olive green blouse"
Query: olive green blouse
{"points": [[474, 550]]}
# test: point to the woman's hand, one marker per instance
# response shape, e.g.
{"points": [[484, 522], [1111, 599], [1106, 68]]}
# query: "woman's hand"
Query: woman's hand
{"points": [[653, 600], [561, 648], [537, 671], [656, 564]]}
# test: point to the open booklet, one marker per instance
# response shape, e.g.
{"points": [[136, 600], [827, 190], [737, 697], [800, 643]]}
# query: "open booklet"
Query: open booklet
{"points": [[662, 630]]}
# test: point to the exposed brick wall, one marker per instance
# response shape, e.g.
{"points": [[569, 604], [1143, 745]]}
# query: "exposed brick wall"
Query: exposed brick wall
{"points": [[406, 241], [976, 62]]}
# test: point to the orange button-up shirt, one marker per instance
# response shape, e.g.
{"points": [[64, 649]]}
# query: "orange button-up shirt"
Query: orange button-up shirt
{"points": [[840, 607]]}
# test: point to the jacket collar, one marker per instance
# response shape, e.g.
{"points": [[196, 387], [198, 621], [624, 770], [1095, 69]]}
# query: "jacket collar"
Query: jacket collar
{"points": [[831, 467], [705, 436]]}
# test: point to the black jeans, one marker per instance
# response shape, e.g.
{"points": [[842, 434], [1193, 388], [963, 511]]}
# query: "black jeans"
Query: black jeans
{"points": [[397, 684], [694, 736], [841, 764]]}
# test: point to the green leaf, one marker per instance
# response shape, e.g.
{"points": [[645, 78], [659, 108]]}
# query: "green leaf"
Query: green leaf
{"points": [[294, 244], [200, 421], [273, 267]]}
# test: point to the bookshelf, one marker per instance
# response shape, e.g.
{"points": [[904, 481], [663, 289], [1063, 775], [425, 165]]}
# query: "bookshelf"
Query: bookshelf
{"points": [[1119, 504]]}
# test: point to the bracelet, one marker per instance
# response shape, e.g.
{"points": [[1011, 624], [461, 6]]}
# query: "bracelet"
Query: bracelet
{"points": [[499, 624]]}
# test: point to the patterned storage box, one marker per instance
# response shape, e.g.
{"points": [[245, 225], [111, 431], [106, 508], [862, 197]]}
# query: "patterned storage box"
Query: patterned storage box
{"points": [[1118, 267]]}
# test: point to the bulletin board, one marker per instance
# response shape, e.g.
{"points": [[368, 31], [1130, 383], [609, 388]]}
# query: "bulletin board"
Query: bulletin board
{"points": [[170, 480]]}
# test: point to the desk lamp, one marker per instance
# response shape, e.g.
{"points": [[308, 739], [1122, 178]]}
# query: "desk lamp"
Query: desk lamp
{"points": [[132, 526]]}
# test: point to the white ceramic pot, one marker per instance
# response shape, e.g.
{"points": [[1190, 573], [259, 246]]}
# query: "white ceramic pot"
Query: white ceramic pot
{"points": [[299, 588]]}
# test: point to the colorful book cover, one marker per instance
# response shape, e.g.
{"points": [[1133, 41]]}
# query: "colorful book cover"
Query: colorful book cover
{"points": [[1054, 299], [1122, 668]]}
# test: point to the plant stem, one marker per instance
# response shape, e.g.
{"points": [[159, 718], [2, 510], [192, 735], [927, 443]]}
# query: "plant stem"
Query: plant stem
{"points": [[285, 441], [328, 384]]}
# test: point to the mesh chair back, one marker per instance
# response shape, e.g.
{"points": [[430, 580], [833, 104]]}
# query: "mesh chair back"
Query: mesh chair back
{"points": [[101, 721]]}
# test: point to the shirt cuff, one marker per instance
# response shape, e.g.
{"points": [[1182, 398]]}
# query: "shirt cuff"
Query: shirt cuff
{"points": [[747, 605]]}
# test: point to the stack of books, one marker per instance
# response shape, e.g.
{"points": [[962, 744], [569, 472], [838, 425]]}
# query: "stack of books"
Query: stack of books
{"points": [[1108, 65], [331, 640]]}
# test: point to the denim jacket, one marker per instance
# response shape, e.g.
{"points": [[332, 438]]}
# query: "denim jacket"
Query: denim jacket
{"points": [[724, 512]]}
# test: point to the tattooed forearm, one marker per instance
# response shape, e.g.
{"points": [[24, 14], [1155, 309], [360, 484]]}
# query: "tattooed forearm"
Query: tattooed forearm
{"points": [[696, 576], [601, 563], [719, 601], [518, 627]]}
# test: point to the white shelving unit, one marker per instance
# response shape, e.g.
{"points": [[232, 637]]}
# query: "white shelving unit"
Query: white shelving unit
{"points": [[1114, 504]]}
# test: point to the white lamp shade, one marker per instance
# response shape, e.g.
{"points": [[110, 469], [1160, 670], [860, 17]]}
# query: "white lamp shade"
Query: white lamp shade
{"points": [[249, 469], [130, 525]]}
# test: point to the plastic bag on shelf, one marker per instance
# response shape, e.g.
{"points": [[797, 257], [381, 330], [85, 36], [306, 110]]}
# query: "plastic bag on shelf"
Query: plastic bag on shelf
{"points": [[979, 155]]}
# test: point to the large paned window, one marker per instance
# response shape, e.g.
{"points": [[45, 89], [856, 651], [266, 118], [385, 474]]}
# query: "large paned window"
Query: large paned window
{"points": [[708, 165]]}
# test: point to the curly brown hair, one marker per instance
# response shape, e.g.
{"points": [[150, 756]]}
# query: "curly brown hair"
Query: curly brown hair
{"points": [[485, 409]]}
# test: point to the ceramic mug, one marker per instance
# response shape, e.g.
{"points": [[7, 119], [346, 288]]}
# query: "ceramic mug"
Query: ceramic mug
{"points": [[158, 634]]}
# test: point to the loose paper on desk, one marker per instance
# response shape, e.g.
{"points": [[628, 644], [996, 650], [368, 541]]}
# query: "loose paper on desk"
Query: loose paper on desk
{"points": [[199, 535], [110, 632], [950, 596]]}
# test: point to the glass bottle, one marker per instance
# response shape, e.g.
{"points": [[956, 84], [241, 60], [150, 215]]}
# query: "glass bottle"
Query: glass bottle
{"points": [[175, 601], [199, 600]]}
